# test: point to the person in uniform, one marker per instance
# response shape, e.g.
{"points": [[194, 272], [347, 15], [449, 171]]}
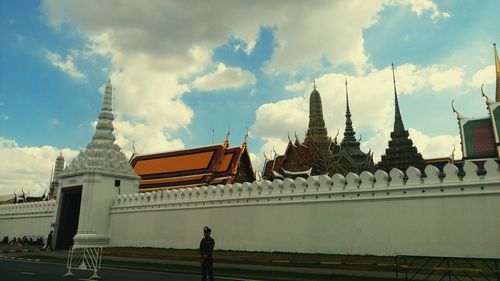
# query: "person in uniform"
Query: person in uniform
{"points": [[49, 241], [206, 248]]}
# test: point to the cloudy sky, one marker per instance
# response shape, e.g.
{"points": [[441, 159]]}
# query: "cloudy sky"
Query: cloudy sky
{"points": [[181, 69]]}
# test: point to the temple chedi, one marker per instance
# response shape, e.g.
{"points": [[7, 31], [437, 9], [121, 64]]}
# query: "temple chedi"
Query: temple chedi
{"points": [[102, 153], [400, 153], [98, 174], [318, 154]]}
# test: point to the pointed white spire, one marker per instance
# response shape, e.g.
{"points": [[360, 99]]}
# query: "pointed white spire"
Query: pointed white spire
{"points": [[102, 154]]}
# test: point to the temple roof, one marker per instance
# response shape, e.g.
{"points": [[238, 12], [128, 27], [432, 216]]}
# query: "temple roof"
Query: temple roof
{"points": [[212, 164], [479, 136], [400, 152]]}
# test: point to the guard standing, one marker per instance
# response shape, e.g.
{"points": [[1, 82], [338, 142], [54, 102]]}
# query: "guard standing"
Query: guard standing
{"points": [[49, 241], [206, 248]]}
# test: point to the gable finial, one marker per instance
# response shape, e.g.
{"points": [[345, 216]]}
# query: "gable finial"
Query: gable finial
{"points": [[486, 98], [245, 137], [459, 116]]}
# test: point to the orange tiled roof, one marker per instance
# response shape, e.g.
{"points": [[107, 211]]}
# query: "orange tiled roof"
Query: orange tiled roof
{"points": [[212, 164]]}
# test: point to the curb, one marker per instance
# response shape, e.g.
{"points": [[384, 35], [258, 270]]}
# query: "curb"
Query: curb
{"points": [[19, 251]]}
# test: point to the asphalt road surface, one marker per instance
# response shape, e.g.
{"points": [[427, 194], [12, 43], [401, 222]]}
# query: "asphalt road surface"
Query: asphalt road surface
{"points": [[16, 270]]}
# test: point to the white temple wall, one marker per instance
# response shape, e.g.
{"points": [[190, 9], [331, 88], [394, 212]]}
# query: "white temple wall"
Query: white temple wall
{"points": [[450, 217], [18, 220], [369, 214]]}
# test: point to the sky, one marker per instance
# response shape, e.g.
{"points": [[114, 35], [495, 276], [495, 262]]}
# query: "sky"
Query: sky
{"points": [[184, 72]]}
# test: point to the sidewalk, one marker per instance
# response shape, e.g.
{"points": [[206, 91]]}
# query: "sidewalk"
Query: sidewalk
{"points": [[18, 248], [271, 266]]}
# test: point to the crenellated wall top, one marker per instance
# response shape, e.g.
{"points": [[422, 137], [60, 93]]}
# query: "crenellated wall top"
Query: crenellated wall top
{"points": [[365, 186], [30, 208]]}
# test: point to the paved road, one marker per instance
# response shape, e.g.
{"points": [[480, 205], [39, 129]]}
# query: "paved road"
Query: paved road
{"points": [[16, 270]]}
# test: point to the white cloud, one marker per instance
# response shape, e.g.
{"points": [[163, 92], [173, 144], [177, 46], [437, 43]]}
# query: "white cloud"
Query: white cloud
{"points": [[150, 96], [276, 120], [154, 44], [485, 76], [28, 168], [166, 33], [421, 6], [54, 121], [295, 87], [65, 65], [412, 78], [145, 139], [224, 77]]}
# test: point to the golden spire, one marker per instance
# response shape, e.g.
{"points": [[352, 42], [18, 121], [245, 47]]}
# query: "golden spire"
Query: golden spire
{"points": [[497, 68]]}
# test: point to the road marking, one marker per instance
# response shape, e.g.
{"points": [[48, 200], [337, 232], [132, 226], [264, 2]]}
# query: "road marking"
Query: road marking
{"points": [[27, 273]]}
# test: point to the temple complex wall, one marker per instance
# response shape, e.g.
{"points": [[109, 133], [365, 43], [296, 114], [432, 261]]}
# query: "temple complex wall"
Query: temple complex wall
{"points": [[376, 214], [369, 214], [27, 219]]}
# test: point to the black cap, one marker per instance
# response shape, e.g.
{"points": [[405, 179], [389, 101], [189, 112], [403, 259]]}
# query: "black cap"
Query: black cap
{"points": [[207, 229]]}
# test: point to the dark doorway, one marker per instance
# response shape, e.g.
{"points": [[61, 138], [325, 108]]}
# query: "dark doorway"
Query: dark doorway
{"points": [[68, 217]]}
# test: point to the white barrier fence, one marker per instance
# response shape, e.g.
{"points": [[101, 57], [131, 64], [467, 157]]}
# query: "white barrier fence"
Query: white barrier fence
{"points": [[84, 258]]}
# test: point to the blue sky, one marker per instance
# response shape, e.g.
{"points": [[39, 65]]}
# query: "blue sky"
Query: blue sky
{"points": [[181, 70]]}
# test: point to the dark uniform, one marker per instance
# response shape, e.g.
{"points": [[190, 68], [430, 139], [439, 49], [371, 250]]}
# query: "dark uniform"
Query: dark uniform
{"points": [[49, 242], [206, 248]]}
